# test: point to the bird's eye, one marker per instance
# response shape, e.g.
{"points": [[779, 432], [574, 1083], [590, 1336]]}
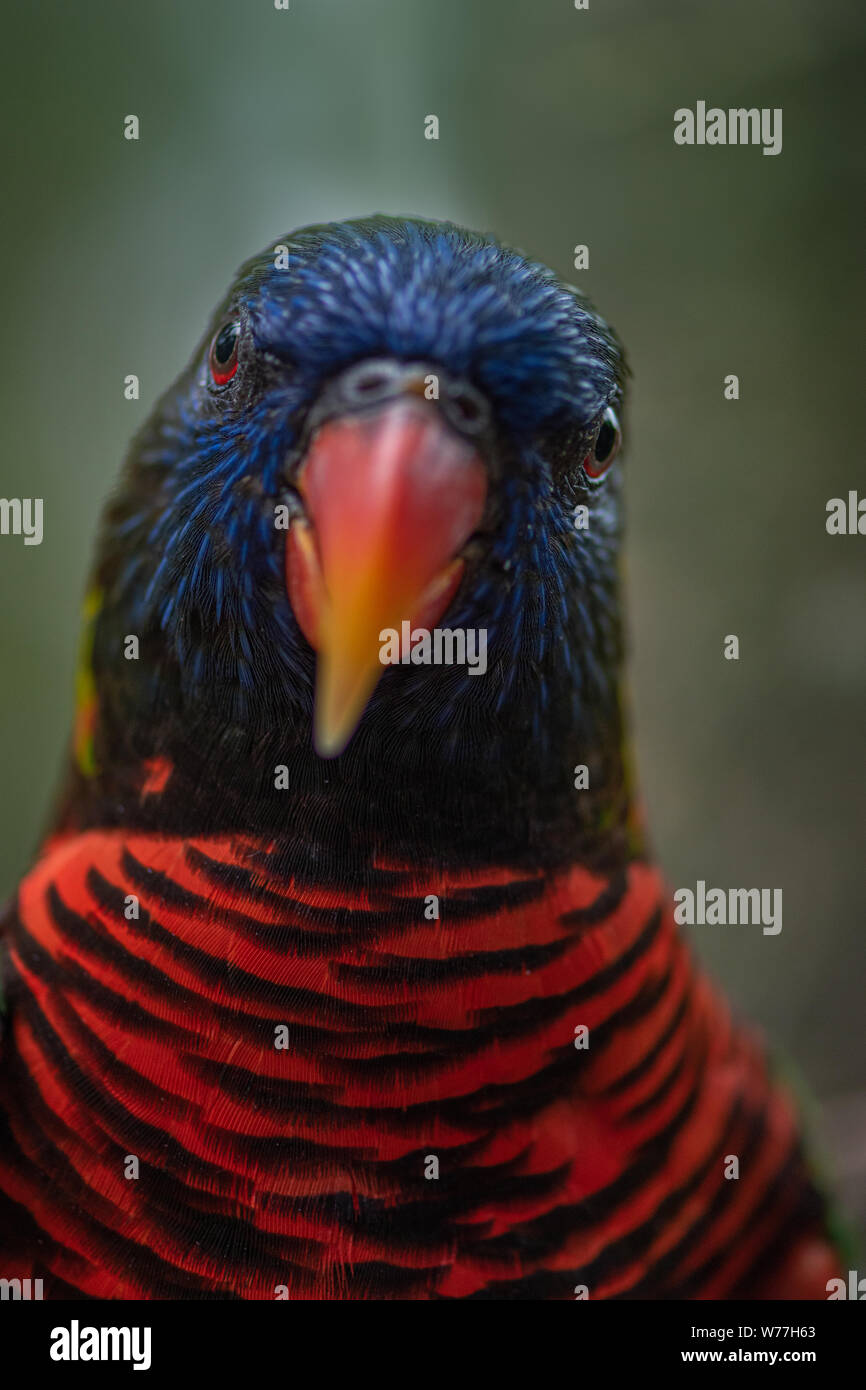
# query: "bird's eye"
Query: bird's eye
{"points": [[224, 353], [606, 446]]}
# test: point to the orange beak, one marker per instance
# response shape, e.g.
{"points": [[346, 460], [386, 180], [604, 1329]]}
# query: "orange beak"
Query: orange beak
{"points": [[391, 496]]}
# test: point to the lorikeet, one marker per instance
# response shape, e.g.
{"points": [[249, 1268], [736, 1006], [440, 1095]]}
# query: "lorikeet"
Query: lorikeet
{"points": [[339, 979]]}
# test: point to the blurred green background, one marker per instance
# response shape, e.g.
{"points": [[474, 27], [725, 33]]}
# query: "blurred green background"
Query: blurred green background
{"points": [[556, 128]]}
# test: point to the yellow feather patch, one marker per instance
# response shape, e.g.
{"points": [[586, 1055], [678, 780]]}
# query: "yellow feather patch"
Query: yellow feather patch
{"points": [[85, 688]]}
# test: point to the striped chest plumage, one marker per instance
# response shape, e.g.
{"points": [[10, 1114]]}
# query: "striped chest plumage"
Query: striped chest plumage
{"points": [[341, 1094]]}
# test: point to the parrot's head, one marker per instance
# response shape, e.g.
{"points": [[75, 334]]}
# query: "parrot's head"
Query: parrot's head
{"points": [[375, 525]]}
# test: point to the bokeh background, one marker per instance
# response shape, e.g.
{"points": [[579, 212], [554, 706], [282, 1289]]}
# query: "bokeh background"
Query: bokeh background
{"points": [[556, 128]]}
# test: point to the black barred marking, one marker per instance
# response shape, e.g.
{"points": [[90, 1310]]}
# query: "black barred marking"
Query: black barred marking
{"points": [[402, 1227], [502, 1019], [381, 1280], [49, 1137], [21, 1233], [689, 1055], [117, 1122], [498, 1024], [298, 861], [196, 1215], [308, 1040], [269, 1152], [490, 899], [336, 921], [605, 905], [148, 1139], [647, 997], [224, 975], [702, 1229], [441, 1046], [280, 937], [116, 1252], [463, 904], [454, 1196], [81, 935], [495, 1024], [639, 1070], [159, 884], [476, 1110], [426, 1210], [542, 1237], [432, 970], [69, 977]]}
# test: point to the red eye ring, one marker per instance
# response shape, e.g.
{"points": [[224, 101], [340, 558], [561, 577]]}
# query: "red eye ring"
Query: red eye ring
{"points": [[223, 357], [605, 448]]}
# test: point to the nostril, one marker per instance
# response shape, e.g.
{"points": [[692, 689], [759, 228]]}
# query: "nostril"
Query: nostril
{"points": [[368, 381], [468, 408]]}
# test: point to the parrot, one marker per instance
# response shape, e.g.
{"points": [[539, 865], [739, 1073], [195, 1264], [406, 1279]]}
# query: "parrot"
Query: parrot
{"points": [[344, 970]]}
